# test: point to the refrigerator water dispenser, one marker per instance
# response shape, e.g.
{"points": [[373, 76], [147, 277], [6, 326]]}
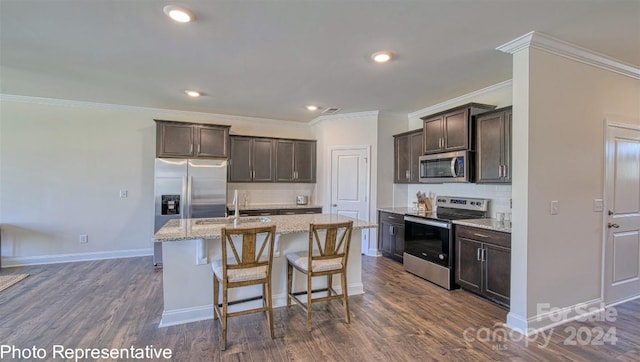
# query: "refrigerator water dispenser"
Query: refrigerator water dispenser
{"points": [[170, 205]]}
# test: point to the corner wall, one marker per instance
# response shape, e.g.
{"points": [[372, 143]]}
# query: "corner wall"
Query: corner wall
{"points": [[565, 103]]}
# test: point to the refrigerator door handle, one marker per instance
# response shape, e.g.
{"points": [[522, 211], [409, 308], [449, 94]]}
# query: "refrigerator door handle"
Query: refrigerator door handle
{"points": [[183, 197], [189, 195]]}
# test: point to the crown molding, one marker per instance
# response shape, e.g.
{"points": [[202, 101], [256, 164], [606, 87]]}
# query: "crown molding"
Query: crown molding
{"points": [[138, 109], [466, 98], [342, 116], [547, 43]]}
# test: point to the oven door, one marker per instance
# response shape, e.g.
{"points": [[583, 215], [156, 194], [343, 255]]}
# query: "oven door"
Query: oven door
{"points": [[431, 240]]}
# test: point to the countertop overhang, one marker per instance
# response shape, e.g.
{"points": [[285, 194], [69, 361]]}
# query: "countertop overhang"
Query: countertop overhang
{"points": [[193, 229]]}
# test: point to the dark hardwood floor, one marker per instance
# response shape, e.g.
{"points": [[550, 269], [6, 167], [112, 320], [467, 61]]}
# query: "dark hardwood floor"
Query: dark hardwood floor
{"points": [[118, 304]]}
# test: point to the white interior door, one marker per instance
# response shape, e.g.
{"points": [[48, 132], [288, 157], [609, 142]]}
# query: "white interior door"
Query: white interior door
{"points": [[622, 222], [350, 185]]}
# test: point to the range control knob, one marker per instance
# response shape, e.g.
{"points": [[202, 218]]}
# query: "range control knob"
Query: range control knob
{"points": [[442, 256]]}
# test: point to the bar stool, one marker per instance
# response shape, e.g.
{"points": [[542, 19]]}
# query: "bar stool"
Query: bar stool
{"points": [[325, 257], [245, 261]]}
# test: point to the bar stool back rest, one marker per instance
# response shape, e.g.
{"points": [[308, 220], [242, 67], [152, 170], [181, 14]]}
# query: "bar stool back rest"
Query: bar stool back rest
{"points": [[245, 261]]}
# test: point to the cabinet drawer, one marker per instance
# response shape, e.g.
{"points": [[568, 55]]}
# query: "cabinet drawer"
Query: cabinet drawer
{"points": [[484, 235], [391, 217]]}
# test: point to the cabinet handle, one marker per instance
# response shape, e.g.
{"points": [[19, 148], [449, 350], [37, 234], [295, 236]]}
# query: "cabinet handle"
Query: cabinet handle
{"points": [[198, 148], [191, 148], [504, 173], [406, 174], [500, 171], [484, 254], [481, 235], [478, 252]]}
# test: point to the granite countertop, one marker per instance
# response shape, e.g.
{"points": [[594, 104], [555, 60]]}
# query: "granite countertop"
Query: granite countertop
{"points": [[272, 206], [189, 229], [398, 210], [489, 224]]}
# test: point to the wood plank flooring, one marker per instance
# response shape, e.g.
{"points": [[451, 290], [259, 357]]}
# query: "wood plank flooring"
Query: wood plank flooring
{"points": [[118, 304]]}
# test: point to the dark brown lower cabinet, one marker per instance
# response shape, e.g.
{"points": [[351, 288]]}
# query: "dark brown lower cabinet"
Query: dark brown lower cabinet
{"points": [[391, 235], [483, 263]]}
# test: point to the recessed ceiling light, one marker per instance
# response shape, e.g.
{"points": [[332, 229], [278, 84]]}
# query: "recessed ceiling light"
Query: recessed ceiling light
{"points": [[381, 57], [311, 107], [178, 13], [192, 93]]}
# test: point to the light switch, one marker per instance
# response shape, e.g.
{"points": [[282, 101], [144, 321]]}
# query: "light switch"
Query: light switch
{"points": [[124, 194], [598, 205], [555, 207]]}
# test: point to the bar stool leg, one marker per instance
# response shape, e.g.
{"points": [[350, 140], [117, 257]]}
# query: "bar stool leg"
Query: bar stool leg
{"points": [[309, 303], [289, 283], [345, 297], [216, 287]]}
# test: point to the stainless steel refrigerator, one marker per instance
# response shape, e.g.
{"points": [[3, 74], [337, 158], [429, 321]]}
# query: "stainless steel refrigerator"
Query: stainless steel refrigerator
{"points": [[188, 188]]}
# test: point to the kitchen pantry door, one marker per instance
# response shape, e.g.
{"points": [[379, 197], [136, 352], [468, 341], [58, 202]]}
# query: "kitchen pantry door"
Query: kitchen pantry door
{"points": [[350, 185], [622, 220]]}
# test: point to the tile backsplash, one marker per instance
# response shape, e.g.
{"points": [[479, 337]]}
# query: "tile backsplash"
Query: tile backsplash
{"points": [[270, 193], [500, 195]]}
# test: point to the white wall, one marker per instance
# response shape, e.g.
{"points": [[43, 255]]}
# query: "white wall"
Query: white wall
{"points": [[62, 165], [559, 110], [354, 129], [388, 125]]}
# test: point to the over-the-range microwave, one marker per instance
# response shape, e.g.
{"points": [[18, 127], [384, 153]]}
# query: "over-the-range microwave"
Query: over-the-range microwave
{"points": [[447, 167]]}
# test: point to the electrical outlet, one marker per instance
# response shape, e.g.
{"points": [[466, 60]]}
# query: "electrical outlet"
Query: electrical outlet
{"points": [[124, 194], [555, 207], [84, 238]]}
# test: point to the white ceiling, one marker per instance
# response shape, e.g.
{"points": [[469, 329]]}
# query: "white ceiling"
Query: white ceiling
{"points": [[270, 58]]}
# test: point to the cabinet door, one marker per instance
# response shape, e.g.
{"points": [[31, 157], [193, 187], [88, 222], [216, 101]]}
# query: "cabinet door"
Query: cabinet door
{"points": [[497, 273], [284, 161], [240, 166], [211, 141], [175, 140], [506, 159], [490, 132], [305, 161], [401, 164], [414, 160], [398, 245], [433, 135], [262, 161], [468, 264], [456, 130], [386, 238]]}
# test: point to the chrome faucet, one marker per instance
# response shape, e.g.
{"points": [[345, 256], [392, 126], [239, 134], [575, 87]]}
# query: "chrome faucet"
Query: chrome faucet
{"points": [[236, 214]]}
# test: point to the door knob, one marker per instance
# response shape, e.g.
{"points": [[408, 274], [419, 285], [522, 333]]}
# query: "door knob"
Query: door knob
{"points": [[612, 225]]}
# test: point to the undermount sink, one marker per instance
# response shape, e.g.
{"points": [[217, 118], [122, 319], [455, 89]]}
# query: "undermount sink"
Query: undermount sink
{"points": [[226, 221]]}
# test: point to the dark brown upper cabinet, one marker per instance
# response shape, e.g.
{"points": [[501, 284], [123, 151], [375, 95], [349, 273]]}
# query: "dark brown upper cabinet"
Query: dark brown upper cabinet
{"points": [[191, 140], [251, 160], [493, 131], [451, 130], [407, 151], [295, 161]]}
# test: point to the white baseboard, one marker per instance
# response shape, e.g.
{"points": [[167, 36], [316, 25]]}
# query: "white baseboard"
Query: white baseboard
{"points": [[372, 252], [200, 313], [68, 258], [554, 317]]}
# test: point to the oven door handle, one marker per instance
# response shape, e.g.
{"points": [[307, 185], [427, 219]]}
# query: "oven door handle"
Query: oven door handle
{"points": [[417, 220]]}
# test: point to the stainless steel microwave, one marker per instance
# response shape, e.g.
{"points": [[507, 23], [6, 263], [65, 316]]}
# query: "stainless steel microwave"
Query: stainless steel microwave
{"points": [[447, 167]]}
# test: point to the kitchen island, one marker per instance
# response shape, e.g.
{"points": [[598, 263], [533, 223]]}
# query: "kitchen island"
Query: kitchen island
{"points": [[189, 246]]}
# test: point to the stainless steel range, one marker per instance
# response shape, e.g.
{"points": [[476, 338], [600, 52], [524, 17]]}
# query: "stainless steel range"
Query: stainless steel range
{"points": [[429, 238]]}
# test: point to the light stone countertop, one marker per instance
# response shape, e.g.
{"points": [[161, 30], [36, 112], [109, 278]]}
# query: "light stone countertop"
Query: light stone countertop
{"points": [[397, 210], [489, 224], [190, 229]]}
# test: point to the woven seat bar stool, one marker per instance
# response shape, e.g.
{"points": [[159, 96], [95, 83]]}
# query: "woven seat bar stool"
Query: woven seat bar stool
{"points": [[326, 256], [247, 259]]}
